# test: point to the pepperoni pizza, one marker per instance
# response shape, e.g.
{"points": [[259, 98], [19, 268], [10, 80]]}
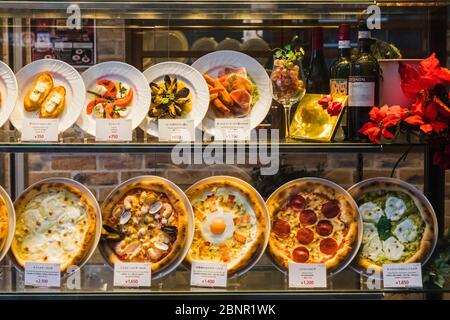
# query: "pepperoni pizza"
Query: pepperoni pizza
{"points": [[313, 221]]}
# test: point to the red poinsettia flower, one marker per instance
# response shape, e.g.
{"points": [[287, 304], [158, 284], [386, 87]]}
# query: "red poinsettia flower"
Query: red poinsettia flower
{"points": [[381, 120], [429, 118]]}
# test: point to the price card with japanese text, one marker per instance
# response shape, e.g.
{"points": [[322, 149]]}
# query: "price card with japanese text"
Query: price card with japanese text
{"points": [[113, 130], [232, 129], [208, 274], [404, 275], [40, 130], [176, 130], [302, 275], [40, 274], [132, 274]]}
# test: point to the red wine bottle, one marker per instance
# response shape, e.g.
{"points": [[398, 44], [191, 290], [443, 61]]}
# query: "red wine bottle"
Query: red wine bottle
{"points": [[363, 85], [340, 69], [318, 78]]}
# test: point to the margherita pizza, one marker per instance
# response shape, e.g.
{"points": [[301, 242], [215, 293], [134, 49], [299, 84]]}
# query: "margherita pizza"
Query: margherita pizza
{"points": [[399, 223], [231, 223], [313, 221], [145, 220], [56, 223]]}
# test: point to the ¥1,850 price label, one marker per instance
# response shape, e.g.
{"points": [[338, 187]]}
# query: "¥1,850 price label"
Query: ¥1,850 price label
{"points": [[40, 274], [208, 274], [132, 274], [402, 275], [303, 275]]}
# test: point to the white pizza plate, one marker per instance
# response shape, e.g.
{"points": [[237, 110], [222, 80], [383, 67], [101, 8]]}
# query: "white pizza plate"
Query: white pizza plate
{"points": [[98, 218], [355, 192], [256, 257], [193, 80], [116, 72], [6, 243], [211, 63], [190, 223], [341, 266], [8, 91], [63, 74]]}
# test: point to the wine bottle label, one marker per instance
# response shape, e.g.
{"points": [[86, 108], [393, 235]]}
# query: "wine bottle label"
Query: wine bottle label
{"points": [[344, 44], [361, 91], [363, 34], [338, 86]]}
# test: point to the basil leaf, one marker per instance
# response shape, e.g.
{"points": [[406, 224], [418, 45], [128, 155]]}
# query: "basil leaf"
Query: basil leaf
{"points": [[384, 228]]}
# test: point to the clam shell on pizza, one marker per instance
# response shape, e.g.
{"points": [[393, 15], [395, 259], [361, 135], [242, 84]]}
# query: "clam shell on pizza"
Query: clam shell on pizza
{"points": [[231, 223], [57, 222], [147, 219], [399, 223], [7, 222], [313, 221]]}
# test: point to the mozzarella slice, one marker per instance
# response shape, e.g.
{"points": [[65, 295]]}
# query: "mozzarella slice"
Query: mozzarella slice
{"points": [[369, 231], [101, 90], [122, 90], [373, 249], [123, 112], [53, 102], [394, 208], [370, 212], [37, 92], [406, 231], [393, 249]]}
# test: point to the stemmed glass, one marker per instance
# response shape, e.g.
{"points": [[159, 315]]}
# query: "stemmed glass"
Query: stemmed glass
{"points": [[288, 81]]}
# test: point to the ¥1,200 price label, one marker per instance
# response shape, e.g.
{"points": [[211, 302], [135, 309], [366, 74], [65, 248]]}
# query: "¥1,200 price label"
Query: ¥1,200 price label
{"points": [[303, 275], [402, 275], [132, 274], [208, 274]]}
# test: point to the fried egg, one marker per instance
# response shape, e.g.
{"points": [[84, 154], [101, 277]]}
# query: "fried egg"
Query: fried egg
{"points": [[218, 227]]}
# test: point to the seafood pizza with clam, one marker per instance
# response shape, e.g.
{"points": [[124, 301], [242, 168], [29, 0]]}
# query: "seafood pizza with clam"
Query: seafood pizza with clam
{"points": [[145, 220], [231, 223]]}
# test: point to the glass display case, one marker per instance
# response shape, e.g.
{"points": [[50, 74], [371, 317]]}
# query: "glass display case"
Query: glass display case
{"points": [[143, 34]]}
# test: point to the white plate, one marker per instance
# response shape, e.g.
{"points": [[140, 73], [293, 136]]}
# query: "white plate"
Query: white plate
{"points": [[63, 75], [116, 72], [193, 80], [212, 62], [8, 91]]}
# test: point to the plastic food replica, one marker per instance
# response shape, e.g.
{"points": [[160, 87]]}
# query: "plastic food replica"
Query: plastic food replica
{"points": [[3, 222], [145, 221], [170, 99], [44, 97], [111, 100], [55, 223], [398, 225], [233, 93], [313, 221], [230, 223]]}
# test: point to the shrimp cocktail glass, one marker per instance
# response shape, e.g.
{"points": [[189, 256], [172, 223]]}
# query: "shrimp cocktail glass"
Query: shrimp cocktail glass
{"points": [[288, 80]]}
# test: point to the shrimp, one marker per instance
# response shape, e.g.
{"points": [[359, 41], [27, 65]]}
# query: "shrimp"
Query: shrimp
{"points": [[130, 202], [166, 210]]}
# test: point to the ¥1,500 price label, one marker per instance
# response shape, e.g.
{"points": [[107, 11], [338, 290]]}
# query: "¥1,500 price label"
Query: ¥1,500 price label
{"points": [[132, 274], [303, 275], [208, 274], [40, 130], [40, 274], [402, 275]]}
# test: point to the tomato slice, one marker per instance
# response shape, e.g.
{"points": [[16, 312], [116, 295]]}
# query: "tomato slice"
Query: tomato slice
{"points": [[111, 91], [109, 108], [123, 102], [93, 103]]}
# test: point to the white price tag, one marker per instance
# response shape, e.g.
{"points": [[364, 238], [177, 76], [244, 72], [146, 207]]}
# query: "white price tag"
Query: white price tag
{"points": [[176, 130], [41, 274], [132, 274], [302, 275], [232, 129], [113, 130], [208, 274], [40, 130], [402, 275]]}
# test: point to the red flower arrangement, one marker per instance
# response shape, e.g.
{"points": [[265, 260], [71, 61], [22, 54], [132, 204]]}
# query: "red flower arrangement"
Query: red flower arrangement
{"points": [[429, 115]]}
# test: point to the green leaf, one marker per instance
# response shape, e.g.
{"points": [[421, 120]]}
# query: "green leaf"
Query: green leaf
{"points": [[287, 47], [384, 228]]}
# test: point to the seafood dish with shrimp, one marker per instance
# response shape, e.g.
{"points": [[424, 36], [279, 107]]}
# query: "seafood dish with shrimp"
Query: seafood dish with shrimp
{"points": [[232, 93], [111, 100], [171, 99], [144, 221]]}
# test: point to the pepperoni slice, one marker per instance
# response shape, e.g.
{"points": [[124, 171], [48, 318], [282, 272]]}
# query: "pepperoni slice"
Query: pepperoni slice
{"points": [[300, 254], [331, 209], [297, 203], [324, 228], [305, 236], [308, 217], [328, 246], [281, 228]]}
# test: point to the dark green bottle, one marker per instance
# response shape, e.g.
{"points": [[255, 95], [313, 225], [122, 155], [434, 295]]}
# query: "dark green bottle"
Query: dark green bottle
{"points": [[363, 85], [340, 69], [318, 78]]}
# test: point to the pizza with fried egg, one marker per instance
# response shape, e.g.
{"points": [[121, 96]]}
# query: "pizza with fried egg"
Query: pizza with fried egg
{"points": [[230, 223], [145, 220], [55, 223], [313, 221]]}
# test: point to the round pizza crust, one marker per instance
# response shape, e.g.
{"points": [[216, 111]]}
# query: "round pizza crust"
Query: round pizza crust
{"points": [[176, 198], [349, 214], [255, 251], [45, 187], [429, 237]]}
